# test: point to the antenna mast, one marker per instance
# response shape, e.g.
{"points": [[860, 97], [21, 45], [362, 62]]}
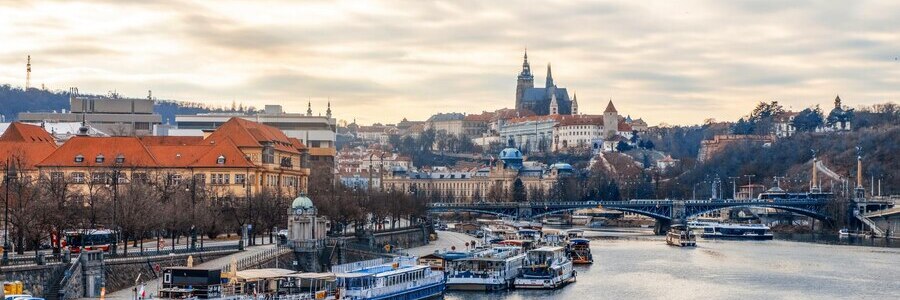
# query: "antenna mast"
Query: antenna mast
{"points": [[28, 74]]}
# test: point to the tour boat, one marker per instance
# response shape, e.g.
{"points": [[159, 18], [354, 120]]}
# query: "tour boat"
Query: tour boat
{"points": [[580, 251], [493, 272], [396, 278], [581, 220], [545, 268], [737, 232], [681, 236]]}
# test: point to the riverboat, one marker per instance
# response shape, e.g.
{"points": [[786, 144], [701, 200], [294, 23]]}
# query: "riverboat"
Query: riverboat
{"points": [[388, 278], [681, 236], [545, 268], [580, 251], [737, 232], [493, 272]]}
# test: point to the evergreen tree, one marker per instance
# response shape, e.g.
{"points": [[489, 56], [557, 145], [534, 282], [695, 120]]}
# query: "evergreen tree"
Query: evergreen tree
{"points": [[518, 191]]}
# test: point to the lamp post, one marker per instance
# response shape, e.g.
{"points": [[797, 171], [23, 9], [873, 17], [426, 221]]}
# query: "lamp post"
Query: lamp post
{"points": [[193, 211], [11, 175], [115, 227], [750, 186]]}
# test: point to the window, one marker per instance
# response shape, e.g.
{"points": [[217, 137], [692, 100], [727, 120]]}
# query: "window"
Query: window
{"points": [[78, 177], [199, 178], [174, 179], [220, 160], [123, 178], [79, 158], [240, 179], [56, 176], [120, 159], [139, 177], [100, 158], [268, 154], [220, 178], [98, 177]]}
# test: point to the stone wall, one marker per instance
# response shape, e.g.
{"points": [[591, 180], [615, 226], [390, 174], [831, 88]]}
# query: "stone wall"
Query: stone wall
{"points": [[37, 279], [121, 273], [406, 238]]}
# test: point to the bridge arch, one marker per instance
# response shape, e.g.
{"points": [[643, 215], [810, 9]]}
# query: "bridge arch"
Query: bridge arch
{"points": [[654, 215], [798, 210]]}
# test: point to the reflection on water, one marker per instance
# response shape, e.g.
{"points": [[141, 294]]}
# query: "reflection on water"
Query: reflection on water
{"points": [[834, 239], [648, 269]]}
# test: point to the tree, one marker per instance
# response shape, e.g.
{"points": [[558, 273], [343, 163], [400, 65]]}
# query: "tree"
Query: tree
{"points": [[808, 120], [518, 191], [743, 127], [622, 146], [839, 116], [763, 116]]}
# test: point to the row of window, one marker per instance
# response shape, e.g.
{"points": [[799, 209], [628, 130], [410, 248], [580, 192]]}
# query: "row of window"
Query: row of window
{"points": [[120, 159], [404, 277], [174, 179]]}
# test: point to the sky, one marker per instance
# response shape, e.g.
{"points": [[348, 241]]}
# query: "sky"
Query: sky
{"points": [[668, 62]]}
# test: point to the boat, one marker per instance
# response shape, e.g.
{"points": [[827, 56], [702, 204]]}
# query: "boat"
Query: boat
{"points": [[580, 251], [737, 232], [545, 268], [681, 236], [575, 233], [552, 237], [493, 272], [388, 278]]}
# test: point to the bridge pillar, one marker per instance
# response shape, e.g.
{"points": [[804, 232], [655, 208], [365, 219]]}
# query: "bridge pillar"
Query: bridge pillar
{"points": [[662, 226], [523, 212]]}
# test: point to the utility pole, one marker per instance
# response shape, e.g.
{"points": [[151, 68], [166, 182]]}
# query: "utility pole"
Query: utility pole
{"points": [[733, 186], [10, 176], [28, 74], [193, 211], [750, 185]]}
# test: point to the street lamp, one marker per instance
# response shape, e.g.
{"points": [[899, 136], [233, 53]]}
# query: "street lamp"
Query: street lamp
{"points": [[193, 190], [11, 175]]}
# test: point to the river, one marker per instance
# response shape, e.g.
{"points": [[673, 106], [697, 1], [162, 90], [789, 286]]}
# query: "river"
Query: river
{"points": [[642, 267]]}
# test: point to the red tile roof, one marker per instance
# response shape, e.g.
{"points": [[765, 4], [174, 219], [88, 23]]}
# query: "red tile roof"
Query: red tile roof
{"points": [[135, 153], [20, 132], [171, 140], [246, 133]]}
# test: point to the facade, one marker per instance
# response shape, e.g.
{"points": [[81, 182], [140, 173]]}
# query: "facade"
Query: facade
{"points": [[449, 123], [238, 158], [557, 132], [577, 132], [304, 224], [110, 114], [353, 166], [542, 101], [476, 125], [480, 184]]}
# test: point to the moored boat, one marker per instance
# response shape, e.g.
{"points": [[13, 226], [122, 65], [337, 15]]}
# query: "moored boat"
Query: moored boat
{"points": [[580, 251], [492, 272], [545, 268], [737, 232], [397, 278]]}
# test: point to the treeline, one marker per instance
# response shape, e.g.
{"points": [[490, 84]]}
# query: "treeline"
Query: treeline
{"points": [[14, 100]]}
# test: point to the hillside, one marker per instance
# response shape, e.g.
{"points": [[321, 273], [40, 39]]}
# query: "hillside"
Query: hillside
{"points": [[15, 100]]}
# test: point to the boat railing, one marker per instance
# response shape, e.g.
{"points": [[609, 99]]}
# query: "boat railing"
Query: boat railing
{"points": [[356, 266], [408, 285]]}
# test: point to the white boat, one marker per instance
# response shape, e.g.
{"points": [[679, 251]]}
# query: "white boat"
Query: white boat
{"points": [[737, 232], [681, 236], [397, 278], [545, 268], [581, 220], [492, 272]]}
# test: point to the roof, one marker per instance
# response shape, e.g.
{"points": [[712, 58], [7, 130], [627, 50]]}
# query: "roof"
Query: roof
{"points": [[263, 273], [581, 120], [509, 113], [610, 107], [624, 127], [20, 132], [245, 133], [446, 117], [89, 148], [171, 140], [483, 117]]}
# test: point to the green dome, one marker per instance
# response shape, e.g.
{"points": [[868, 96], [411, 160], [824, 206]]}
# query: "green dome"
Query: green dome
{"points": [[302, 202]]}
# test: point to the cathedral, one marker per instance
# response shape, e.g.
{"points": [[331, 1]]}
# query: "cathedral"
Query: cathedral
{"points": [[548, 100]]}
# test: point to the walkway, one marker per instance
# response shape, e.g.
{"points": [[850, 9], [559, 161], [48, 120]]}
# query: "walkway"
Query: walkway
{"points": [[446, 240], [152, 286]]}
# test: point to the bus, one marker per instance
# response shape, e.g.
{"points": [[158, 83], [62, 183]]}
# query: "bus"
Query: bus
{"points": [[89, 239]]}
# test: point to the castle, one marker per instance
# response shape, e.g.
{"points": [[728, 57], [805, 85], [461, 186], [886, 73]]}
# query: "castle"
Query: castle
{"points": [[549, 100]]}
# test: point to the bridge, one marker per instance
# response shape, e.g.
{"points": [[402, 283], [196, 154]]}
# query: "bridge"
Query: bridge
{"points": [[664, 211]]}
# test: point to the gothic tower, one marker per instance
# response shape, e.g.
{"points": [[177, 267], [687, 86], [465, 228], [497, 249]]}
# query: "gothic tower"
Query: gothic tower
{"points": [[526, 80], [610, 120], [554, 105], [574, 104]]}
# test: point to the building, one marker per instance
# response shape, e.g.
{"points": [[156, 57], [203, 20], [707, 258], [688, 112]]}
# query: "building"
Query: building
{"points": [[240, 157], [487, 183], [23, 146], [317, 133], [449, 123], [547, 100], [838, 119], [557, 132], [353, 166], [110, 114], [477, 125], [62, 131], [577, 132]]}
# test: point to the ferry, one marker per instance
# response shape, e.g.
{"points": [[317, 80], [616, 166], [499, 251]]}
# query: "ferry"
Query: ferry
{"points": [[737, 232], [581, 220], [493, 272], [388, 278], [575, 233], [580, 251], [681, 236], [545, 268]]}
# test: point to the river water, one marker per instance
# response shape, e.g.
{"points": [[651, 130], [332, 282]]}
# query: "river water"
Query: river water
{"points": [[646, 268]]}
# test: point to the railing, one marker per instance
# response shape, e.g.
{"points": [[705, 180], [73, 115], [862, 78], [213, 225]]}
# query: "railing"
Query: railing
{"points": [[177, 250], [257, 259], [347, 268], [65, 292], [22, 260]]}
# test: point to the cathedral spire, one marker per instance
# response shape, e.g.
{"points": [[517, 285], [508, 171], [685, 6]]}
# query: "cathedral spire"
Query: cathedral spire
{"points": [[574, 104], [526, 67], [549, 77], [309, 108], [328, 112]]}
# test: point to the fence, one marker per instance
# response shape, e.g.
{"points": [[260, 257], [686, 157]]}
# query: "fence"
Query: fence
{"points": [[70, 286], [258, 258]]}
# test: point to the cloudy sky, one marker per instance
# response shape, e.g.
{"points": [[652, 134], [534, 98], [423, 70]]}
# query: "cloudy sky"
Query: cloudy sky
{"points": [[675, 62]]}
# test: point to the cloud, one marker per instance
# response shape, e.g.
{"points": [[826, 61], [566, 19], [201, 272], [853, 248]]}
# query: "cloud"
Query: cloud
{"points": [[381, 61]]}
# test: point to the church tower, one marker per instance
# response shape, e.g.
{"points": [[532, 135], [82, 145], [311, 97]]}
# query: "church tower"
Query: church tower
{"points": [[574, 104], [554, 105], [549, 82], [610, 120], [526, 81]]}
